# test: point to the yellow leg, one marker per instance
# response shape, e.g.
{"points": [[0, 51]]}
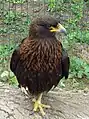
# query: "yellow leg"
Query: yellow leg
{"points": [[39, 105]]}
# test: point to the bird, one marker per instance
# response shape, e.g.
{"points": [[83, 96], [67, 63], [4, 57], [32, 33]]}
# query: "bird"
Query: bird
{"points": [[40, 61]]}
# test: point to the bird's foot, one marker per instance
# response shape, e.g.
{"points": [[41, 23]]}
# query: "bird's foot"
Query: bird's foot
{"points": [[40, 106]]}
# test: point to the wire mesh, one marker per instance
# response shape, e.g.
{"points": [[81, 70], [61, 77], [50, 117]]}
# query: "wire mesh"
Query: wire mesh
{"points": [[16, 15]]}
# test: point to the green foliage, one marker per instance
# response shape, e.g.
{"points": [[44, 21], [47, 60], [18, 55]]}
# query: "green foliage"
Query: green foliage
{"points": [[76, 27], [8, 76], [79, 68], [62, 5], [5, 51], [16, 1], [79, 36], [3, 30], [55, 5], [15, 22], [12, 17], [51, 4], [12, 79], [5, 75], [77, 10]]}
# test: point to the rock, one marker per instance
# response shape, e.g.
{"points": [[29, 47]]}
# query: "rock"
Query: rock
{"points": [[64, 104]]}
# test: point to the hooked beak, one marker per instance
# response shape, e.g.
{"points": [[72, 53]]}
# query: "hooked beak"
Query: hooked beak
{"points": [[59, 29]]}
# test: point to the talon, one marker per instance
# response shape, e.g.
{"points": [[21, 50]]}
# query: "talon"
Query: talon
{"points": [[24, 90]]}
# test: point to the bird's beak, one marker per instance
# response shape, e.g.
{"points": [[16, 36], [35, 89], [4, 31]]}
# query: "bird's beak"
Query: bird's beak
{"points": [[59, 28]]}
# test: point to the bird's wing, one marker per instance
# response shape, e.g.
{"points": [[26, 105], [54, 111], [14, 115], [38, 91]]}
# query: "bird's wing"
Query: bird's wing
{"points": [[65, 63], [14, 60]]}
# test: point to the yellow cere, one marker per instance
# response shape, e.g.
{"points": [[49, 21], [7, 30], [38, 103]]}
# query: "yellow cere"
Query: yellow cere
{"points": [[55, 29]]}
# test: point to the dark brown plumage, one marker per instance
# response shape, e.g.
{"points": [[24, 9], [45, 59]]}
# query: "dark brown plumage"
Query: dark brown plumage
{"points": [[40, 61]]}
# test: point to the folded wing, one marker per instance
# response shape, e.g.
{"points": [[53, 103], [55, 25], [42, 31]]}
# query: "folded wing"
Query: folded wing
{"points": [[65, 63]]}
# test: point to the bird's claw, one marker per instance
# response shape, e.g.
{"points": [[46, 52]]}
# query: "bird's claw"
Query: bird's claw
{"points": [[24, 90], [40, 106]]}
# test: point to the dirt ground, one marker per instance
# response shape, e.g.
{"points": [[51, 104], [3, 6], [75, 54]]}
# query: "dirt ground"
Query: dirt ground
{"points": [[64, 104]]}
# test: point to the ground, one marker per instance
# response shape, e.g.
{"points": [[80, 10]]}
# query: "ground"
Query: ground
{"points": [[64, 104]]}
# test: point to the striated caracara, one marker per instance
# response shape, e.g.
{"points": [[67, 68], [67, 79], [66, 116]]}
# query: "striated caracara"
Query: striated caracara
{"points": [[40, 62]]}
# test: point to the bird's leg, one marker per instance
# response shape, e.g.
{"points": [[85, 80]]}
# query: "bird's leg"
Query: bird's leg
{"points": [[39, 105]]}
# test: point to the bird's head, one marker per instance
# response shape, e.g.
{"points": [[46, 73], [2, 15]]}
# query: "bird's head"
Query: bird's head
{"points": [[46, 26]]}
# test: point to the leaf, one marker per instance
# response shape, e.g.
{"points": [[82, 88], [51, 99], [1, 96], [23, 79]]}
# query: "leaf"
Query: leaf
{"points": [[13, 81]]}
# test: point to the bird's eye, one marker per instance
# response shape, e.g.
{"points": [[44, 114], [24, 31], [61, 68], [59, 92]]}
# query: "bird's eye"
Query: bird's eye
{"points": [[55, 25], [51, 27]]}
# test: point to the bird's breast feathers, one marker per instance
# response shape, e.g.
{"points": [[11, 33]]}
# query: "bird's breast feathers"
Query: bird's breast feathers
{"points": [[40, 55]]}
